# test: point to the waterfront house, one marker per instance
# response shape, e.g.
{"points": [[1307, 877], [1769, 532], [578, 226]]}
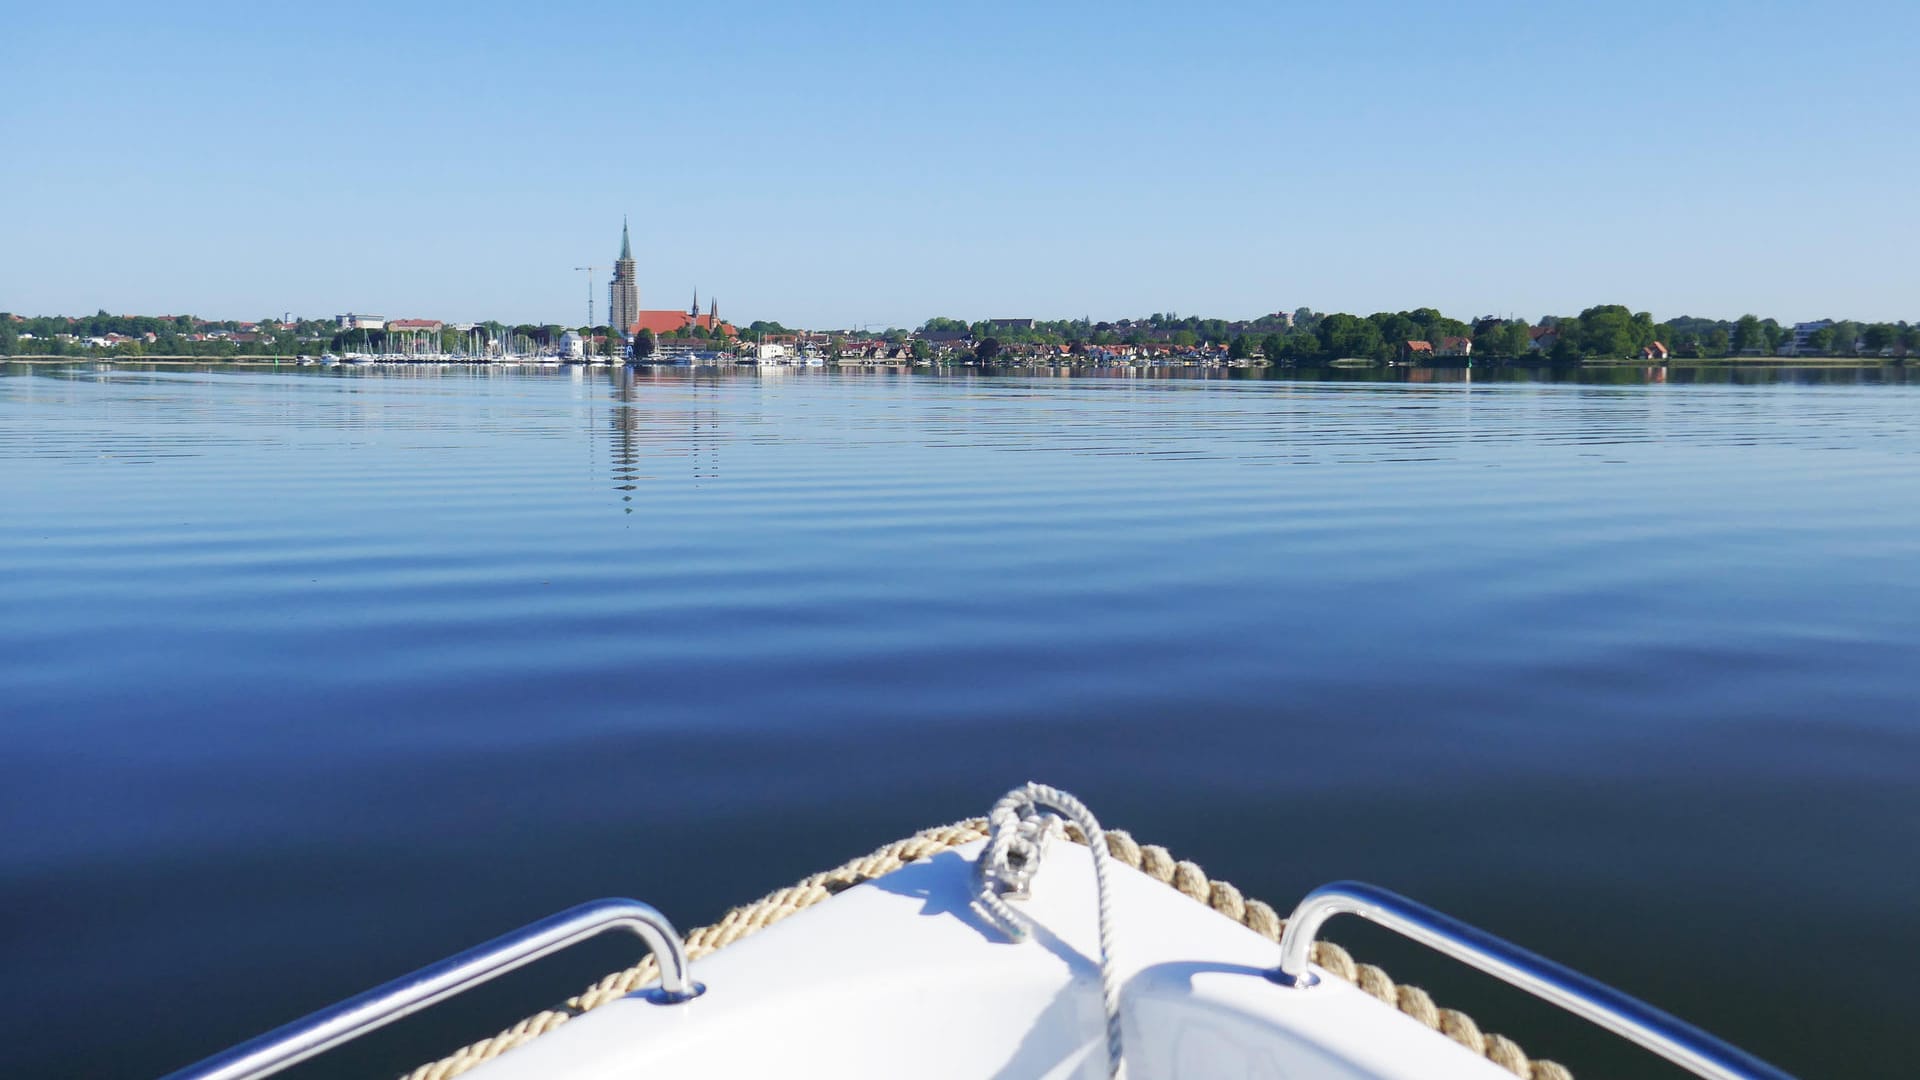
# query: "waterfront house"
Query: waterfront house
{"points": [[1655, 351], [946, 340], [1418, 350], [1454, 346]]}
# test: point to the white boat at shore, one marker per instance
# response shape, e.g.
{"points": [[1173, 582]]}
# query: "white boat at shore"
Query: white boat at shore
{"points": [[1001, 949]]}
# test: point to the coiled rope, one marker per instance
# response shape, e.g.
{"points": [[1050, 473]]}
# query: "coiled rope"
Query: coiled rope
{"points": [[1019, 828], [1149, 859]]}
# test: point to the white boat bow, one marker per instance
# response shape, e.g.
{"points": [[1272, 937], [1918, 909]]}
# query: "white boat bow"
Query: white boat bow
{"points": [[912, 971]]}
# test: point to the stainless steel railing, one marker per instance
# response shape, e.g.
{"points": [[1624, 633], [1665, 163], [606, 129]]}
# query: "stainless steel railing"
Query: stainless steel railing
{"points": [[1631, 1019], [354, 1017]]}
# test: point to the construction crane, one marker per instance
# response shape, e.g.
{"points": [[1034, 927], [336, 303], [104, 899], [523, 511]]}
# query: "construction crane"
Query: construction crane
{"points": [[590, 272], [586, 345]]}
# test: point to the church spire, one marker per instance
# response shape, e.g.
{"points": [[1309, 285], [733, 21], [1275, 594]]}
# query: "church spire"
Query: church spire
{"points": [[626, 248], [694, 311]]}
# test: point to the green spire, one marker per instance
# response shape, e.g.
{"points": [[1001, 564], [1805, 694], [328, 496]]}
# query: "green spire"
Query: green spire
{"points": [[626, 249]]}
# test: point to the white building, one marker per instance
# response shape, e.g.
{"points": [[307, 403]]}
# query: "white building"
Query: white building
{"points": [[1803, 333], [572, 346], [351, 321]]}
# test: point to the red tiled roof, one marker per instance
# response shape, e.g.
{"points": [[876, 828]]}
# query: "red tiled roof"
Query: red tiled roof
{"points": [[672, 322], [1419, 346], [413, 324]]}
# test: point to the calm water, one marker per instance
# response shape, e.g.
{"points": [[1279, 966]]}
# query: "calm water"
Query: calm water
{"points": [[309, 677]]}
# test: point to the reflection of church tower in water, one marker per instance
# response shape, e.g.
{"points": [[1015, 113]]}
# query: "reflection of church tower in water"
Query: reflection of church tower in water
{"points": [[626, 423], [623, 293]]}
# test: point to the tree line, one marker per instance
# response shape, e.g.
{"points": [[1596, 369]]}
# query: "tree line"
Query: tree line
{"points": [[1606, 331]]}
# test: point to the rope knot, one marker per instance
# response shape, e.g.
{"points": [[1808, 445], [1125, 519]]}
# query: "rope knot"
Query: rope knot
{"points": [[1021, 832], [1020, 827]]}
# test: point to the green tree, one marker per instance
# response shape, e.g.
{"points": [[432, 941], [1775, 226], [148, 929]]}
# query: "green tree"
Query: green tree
{"points": [[1748, 335], [1877, 337], [1398, 329], [1346, 336], [644, 344], [1271, 347], [1237, 348], [1301, 348], [987, 349], [1821, 340], [1717, 342], [1845, 334], [1644, 332], [1611, 330], [1490, 339], [1517, 339]]}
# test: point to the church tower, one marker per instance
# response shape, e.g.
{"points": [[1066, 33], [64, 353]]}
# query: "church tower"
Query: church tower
{"points": [[623, 293], [713, 313]]}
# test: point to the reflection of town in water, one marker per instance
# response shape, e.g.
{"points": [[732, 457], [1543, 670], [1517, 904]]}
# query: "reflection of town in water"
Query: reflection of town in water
{"points": [[676, 424], [652, 434]]}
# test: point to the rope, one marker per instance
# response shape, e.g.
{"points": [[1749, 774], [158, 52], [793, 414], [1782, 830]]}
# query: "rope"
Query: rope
{"points": [[1020, 829], [1151, 860]]}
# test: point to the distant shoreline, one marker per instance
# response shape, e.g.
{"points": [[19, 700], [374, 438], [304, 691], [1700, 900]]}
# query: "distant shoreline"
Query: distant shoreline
{"points": [[1726, 361]]}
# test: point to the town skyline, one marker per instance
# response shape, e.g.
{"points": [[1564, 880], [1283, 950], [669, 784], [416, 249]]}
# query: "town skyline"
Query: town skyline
{"points": [[1304, 337]]}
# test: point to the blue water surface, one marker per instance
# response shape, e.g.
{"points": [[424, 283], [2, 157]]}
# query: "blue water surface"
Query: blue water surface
{"points": [[310, 676]]}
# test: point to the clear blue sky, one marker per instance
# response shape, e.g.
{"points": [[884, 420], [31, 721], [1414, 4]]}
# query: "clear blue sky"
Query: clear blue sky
{"points": [[838, 163]]}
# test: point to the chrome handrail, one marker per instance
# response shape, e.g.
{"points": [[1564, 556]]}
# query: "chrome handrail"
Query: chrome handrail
{"points": [[1636, 1021], [354, 1017]]}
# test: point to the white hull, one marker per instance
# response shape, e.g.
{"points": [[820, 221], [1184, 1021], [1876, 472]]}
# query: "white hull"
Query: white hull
{"points": [[900, 977], [1000, 958]]}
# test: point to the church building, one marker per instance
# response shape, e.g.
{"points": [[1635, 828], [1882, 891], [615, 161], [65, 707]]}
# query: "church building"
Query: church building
{"points": [[623, 304], [623, 293]]}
